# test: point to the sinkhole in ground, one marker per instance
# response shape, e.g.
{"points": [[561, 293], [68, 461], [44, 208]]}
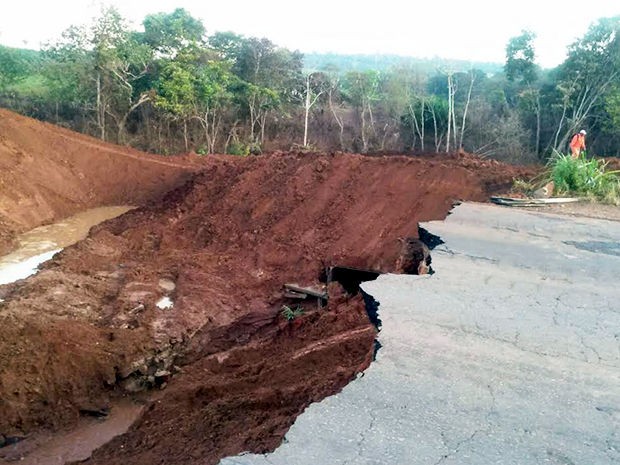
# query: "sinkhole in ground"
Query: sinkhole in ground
{"points": [[414, 259]]}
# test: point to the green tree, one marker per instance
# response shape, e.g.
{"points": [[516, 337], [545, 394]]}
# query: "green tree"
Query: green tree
{"points": [[68, 71], [227, 45], [437, 115], [15, 66], [584, 79], [169, 33], [522, 73], [401, 101], [177, 95], [362, 91], [271, 76], [100, 69], [608, 123], [520, 57], [314, 86], [215, 81]]}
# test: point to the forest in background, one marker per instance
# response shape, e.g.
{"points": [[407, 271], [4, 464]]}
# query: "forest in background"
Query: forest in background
{"points": [[172, 88]]}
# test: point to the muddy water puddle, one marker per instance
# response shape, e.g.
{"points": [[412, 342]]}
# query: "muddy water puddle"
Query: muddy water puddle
{"points": [[40, 244], [76, 445]]}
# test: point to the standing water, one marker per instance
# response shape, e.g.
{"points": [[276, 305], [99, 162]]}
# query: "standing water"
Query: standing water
{"points": [[40, 244], [35, 247], [76, 445]]}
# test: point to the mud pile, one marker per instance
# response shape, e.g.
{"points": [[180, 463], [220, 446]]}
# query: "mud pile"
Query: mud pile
{"points": [[48, 173], [187, 294]]}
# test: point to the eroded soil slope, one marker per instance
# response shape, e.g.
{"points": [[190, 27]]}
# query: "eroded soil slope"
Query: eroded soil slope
{"points": [[48, 173], [87, 328]]}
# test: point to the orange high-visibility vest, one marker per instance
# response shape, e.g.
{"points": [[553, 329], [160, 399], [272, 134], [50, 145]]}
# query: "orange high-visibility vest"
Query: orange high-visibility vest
{"points": [[578, 142]]}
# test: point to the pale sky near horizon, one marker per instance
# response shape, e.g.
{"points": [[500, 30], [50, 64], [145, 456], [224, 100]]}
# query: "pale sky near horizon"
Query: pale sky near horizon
{"points": [[476, 30]]}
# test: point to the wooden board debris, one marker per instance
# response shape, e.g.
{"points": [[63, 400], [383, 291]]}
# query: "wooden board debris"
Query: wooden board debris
{"points": [[515, 202], [306, 290]]}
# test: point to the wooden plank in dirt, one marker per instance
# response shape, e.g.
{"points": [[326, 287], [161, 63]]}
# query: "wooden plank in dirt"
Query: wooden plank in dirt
{"points": [[515, 202], [306, 290], [295, 295]]}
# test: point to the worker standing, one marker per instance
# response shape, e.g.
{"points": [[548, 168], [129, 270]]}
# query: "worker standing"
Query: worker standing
{"points": [[578, 143]]}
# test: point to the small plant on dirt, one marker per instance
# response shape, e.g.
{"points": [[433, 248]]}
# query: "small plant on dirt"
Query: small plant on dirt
{"points": [[290, 314], [584, 176]]}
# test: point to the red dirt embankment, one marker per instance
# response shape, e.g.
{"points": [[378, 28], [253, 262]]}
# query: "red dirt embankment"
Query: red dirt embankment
{"points": [[48, 173], [87, 327]]}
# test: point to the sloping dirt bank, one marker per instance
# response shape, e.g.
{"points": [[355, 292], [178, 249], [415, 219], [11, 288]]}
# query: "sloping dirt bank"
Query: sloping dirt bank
{"points": [[48, 173], [88, 328]]}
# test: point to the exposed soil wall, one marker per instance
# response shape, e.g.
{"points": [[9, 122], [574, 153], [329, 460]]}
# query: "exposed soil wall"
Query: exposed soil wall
{"points": [[48, 173], [87, 327]]}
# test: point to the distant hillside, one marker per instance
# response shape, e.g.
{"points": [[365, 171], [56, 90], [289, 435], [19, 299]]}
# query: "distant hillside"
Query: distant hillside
{"points": [[344, 63], [17, 65], [32, 56]]}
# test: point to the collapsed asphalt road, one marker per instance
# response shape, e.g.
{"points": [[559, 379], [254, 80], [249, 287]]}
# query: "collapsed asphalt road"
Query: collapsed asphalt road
{"points": [[180, 304], [509, 354]]}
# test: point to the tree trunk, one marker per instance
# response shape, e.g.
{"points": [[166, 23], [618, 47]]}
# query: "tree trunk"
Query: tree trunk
{"points": [[471, 86], [450, 95], [415, 131], [263, 121], [100, 109], [364, 139], [422, 125], [121, 125], [307, 111], [437, 140], [537, 124], [252, 106], [560, 124], [185, 134], [418, 127], [338, 120]]}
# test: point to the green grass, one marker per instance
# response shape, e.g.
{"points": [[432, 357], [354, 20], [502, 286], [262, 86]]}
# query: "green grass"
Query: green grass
{"points": [[584, 177]]}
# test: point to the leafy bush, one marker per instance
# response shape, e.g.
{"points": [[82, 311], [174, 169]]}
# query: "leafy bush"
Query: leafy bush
{"points": [[238, 148], [583, 176], [255, 148]]}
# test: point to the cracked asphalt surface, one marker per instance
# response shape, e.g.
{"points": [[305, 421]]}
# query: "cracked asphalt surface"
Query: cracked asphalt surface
{"points": [[508, 354]]}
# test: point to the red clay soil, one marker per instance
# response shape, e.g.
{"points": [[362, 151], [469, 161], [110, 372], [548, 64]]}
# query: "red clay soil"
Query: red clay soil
{"points": [[48, 173], [86, 328]]}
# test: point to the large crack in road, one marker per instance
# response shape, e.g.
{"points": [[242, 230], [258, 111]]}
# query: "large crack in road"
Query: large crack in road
{"points": [[87, 329], [478, 363]]}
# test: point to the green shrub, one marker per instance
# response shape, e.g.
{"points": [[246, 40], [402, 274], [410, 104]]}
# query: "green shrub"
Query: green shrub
{"points": [[238, 148], [290, 314], [255, 148], [582, 176]]}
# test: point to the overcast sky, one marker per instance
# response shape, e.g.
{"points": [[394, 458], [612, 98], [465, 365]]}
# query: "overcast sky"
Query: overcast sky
{"points": [[465, 29]]}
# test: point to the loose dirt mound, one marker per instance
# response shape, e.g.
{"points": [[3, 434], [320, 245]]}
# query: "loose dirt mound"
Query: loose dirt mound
{"points": [[220, 248], [48, 173]]}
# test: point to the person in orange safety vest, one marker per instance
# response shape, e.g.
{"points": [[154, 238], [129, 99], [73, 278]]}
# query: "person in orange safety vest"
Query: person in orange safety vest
{"points": [[578, 143]]}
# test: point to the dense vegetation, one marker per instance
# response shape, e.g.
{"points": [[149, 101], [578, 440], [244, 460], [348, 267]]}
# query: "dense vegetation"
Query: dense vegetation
{"points": [[385, 63], [584, 177], [172, 88]]}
